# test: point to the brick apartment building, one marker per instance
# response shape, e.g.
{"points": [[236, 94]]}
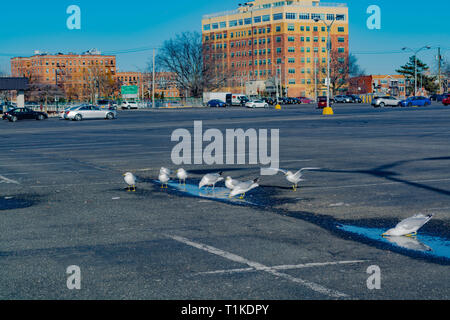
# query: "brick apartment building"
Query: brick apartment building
{"points": [[78, 75], [268, 39]]}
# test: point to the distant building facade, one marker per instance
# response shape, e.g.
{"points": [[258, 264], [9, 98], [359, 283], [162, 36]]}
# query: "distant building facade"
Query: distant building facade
{"points": [[393, 85], [278, 40]]}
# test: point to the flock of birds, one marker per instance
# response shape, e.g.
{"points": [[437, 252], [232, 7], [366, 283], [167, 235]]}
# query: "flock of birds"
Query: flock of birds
{"points": [[407, 227]]}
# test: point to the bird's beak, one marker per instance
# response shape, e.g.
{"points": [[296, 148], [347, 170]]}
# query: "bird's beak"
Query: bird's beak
{"points": [[383, 235]]}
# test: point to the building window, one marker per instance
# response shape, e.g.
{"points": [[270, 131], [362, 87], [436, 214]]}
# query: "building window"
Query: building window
{"points": [[257, 19], [277, 16], [341, 50], [291, 27], [303, 16], [330, 16], [291, 16], [266, 18], [341, 29], [291, 49], [233, 23], [278, 29], [207, 27], [223, 25], [315, 29], [215, 26], [291, 39], [291, 60], [291, 81], [248, 21]]}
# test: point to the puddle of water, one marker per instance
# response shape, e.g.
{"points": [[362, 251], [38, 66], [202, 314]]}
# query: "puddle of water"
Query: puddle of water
{"points": [[10, 203], [422, 243], [219, 193]]}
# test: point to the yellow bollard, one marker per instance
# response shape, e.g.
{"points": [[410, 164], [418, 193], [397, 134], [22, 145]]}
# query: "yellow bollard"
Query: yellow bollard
{"points": [[278, 107], [327, 111]]}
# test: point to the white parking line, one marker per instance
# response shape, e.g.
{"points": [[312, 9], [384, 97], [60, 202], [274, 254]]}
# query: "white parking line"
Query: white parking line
{"points": [[6, 180], [260, 267], [283, 267]]}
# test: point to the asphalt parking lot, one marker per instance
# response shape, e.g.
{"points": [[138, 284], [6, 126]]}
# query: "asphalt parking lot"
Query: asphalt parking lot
{"points": [[63, 202]]}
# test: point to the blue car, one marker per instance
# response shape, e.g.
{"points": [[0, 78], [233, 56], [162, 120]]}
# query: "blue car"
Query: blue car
{"points": [[217, 103], [415, 101]]}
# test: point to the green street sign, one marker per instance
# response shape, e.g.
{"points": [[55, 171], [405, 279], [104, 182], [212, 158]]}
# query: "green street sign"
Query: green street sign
{"points": [[130, 90]]}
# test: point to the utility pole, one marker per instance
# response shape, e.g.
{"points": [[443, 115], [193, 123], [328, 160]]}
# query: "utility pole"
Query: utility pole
{"points": [[153, 80], [315, 78], [439, 68]]}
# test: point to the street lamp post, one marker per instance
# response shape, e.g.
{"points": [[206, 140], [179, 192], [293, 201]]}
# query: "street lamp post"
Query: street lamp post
{"points": [[415, 63], [316, 19]]}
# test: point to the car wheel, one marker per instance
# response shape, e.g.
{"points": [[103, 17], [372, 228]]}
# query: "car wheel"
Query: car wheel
{"points": [[78, 117], [266, 105], [110, 116], [382, 104], [40, 117], [13, 119]]}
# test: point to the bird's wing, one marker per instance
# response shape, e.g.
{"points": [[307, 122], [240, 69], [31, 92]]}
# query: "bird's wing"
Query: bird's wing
{"points": [[416, 221], [305, 169], [277, 170]]}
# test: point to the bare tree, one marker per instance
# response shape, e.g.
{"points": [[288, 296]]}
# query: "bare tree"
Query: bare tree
{"points": [[98, 82], [196, 66]]}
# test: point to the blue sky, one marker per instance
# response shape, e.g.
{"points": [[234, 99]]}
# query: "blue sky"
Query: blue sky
{"points": [[121, 25]]}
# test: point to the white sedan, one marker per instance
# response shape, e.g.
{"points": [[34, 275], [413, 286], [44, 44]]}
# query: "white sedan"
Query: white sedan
{"points": [[89, 112], [257, 104]]}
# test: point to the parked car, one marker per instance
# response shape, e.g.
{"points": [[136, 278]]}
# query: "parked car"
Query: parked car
{"points": [[386, 101], [5, 115], [89, 112], [107, 104], [446, 99], [354, 98], [342, 99], [62, 114], [322, 102], [129, 105], [257, 104], [216, 103], [305, 100], [24, 113], [415, 101], [437, 97], [269, 100]]}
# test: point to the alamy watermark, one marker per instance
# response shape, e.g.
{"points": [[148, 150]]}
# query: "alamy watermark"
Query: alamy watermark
{"points": [[74, 20], [374, 280], [74, 279], [374, 20], [236, 146]]}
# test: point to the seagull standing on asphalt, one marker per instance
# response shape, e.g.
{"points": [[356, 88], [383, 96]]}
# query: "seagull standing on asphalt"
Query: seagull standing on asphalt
{"points": [[295, 178], [409, 226], [230, 183], [243, 187], [164, 179], [210, 179], [182, 175], [130, 179]]}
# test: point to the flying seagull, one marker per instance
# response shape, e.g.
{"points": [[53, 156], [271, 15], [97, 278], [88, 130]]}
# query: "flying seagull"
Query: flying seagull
{"points": [[409, 226], [182, 175], [130, 179], [295, 178], [243, 187], [210, 179], [164, 179]]}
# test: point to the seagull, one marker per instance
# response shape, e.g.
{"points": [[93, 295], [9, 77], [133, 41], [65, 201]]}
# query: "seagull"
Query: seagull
{"points": [[182, 175], [409, 226], [295, 178], [231, 183], [166, 171], [243, 187], [130, 179], [164, 179], [210, 179]]}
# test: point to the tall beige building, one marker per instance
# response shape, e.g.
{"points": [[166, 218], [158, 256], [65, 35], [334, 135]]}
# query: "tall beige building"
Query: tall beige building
{"points": [[279, 41]]}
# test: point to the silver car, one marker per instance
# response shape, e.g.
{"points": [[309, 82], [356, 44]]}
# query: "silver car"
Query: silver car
{"points": [[257, 104], [385, 101], [89, 112]]}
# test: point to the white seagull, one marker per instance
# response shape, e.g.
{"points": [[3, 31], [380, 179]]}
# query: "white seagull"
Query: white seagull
{"points": [[210, 179], [295, 178], [130, 179], [164, 179], [409, 226], [243, 187], [230, 183], [166, 171], [182, 175]]}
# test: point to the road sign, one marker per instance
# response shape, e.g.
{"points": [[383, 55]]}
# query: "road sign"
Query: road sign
{"points": [[129, 92]]}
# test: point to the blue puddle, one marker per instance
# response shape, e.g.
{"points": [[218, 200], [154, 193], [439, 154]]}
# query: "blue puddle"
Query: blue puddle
{"points": [[13, 203], [424, 244], [220, 194]]}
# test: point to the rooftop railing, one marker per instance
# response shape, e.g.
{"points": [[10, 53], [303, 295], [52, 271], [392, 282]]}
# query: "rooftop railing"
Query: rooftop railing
{"points": [[237, 11]]}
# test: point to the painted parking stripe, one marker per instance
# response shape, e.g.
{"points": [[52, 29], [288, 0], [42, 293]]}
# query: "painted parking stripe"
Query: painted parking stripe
{"points": [[284, 267], [6, 180], [260, 267]]}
